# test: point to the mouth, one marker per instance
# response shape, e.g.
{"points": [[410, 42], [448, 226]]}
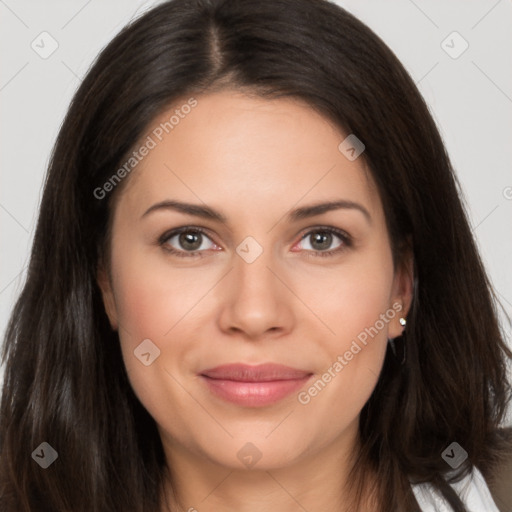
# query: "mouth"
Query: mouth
{"points": [[254, 386]]}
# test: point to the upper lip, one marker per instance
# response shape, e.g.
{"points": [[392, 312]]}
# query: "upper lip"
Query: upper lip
{"points": [[255, 373]]}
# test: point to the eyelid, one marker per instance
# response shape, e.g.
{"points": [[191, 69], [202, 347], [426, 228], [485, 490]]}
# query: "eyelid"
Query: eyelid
{"points": [[171, 233], [176, 231], [337, 231], [346, 239]]}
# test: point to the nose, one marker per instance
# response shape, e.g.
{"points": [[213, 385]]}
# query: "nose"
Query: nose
{"points": [[256, 300]]}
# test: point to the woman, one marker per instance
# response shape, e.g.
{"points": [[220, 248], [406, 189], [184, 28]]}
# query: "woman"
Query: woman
{"points": [[253, 284]]}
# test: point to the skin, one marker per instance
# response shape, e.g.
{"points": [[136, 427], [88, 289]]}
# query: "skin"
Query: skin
{"points": [[253, 160]]}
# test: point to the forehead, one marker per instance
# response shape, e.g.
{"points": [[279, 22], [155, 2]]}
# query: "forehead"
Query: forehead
{"points": [[247, 152]]}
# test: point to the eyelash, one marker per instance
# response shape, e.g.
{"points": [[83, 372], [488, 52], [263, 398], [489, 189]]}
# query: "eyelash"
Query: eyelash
{"points": [[345, 238]]}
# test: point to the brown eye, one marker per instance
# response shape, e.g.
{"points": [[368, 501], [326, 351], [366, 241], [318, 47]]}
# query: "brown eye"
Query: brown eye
{"points": [[190, 241], [321, 240], [186, 242]]}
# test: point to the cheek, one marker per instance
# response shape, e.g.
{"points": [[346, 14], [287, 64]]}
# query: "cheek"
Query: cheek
{"points": [[151, 297], [355, 306], [351, 299], [150, 301], [162, 304]]}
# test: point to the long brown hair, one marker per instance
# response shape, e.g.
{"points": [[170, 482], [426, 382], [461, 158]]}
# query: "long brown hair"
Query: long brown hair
{"points": [[65, 382]]}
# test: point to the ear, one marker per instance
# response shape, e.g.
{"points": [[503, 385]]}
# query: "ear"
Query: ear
{"points": [[403, 290], [105, 284]]}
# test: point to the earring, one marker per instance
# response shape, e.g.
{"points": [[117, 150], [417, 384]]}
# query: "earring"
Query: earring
{"points": [[399, 340]]}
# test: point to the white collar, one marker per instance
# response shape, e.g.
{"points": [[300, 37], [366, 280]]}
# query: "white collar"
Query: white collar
{"points": [[472, 490]]}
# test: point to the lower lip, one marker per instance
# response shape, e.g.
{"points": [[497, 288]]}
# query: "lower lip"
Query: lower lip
{"points": [[253, 394]]}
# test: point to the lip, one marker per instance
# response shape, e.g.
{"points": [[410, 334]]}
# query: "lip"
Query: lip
{"points": [[254, 385]]}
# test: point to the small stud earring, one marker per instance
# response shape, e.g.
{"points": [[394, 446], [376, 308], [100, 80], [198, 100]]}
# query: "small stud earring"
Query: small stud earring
{"points": [[403, 322]]}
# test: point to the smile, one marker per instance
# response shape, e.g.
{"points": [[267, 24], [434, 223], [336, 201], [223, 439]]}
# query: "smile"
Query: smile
{"points": [[254, 386]]}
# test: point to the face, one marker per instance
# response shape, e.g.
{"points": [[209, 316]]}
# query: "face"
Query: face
{"points": [[254, 277]]}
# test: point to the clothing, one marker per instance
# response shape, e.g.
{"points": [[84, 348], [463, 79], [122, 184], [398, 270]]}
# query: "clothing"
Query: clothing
{"points": [[472, 490]]}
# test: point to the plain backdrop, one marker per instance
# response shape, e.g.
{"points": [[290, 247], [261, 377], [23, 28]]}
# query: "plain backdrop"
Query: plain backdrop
{"points": [[469, 94]]}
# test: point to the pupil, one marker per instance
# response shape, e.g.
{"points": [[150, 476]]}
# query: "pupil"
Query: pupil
{"points": [[322, 239], [187, 241]]}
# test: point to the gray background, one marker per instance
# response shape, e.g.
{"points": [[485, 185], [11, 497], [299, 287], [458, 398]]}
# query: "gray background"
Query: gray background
{"points": [[469, 96]]}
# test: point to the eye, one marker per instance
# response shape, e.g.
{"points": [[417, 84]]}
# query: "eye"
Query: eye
{"points": [[190, 241], [322, 238]]}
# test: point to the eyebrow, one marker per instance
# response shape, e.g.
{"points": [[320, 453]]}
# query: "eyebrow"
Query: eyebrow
{"points": [[206, 212]]}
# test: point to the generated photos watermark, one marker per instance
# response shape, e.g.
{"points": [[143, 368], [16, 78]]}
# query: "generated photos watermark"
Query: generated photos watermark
{"points": [[304, 397], [149, 143]]}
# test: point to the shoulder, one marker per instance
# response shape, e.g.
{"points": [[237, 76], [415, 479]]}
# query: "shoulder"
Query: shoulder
{"points": [[472, 490]]}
